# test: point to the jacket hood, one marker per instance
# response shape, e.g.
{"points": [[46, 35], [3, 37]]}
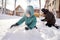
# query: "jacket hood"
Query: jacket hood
{"points": [[30, 10]]}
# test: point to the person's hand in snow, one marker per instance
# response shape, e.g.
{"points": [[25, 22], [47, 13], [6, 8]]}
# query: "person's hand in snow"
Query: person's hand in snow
{"points": [[43, 20], [13, 25], [26, 28]]}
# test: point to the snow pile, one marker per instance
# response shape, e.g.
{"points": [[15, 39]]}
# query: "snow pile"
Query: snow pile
{"points": [[4, 16], [19, 33]]}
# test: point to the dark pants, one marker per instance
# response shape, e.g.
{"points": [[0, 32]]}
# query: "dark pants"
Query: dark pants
{"points": [[49, 25]]}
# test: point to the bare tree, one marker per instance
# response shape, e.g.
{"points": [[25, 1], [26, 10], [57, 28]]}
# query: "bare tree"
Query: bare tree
{"points": [[5, 6], [40, 5], [15, 7], [2, 6]]}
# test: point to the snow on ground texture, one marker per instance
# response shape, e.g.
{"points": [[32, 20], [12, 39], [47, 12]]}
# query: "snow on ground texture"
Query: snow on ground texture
{"points": [[18, 33]]}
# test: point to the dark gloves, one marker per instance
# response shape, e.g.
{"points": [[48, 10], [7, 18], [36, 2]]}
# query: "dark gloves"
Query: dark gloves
{"points": [[26, 28], [13, 25], [36, 27], [43, 20]]}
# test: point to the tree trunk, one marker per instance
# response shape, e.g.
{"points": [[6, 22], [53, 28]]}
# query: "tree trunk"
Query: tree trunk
{"points": [[40, 5], [2, 6], [15, 7], [5, 7]]}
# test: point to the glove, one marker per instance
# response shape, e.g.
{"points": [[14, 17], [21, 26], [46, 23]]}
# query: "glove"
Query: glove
{"points": [[43, 20], [26, 28], [13, 25]]}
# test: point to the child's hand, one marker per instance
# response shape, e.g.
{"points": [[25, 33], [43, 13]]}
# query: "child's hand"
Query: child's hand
{"points": [[26, 28], [42, 20], [13, 25]]}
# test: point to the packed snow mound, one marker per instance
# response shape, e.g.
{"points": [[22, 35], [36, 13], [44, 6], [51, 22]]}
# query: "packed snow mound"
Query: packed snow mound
{"points": [[23, 35], [19, 33]]}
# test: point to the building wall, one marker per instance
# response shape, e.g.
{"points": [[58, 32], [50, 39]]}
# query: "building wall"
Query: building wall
{"points": [[37, 12], [19, 11], [9, 12]]}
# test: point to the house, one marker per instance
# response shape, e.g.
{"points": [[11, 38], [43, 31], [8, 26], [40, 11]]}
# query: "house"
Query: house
{"points": [[7, 11], [37, 12], [19, 11]]}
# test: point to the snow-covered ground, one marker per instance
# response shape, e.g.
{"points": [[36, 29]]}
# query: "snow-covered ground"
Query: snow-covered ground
{"points": [[18, 33]]}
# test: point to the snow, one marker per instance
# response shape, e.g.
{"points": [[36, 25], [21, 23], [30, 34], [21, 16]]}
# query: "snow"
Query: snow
{"points": [[18, 33]]}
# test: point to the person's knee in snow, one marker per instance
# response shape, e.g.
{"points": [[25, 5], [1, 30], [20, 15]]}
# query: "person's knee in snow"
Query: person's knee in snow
{"points": [[49, 25], [26, 28]]}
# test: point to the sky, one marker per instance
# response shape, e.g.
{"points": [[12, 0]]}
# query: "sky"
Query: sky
{"points": [[24, 4]]}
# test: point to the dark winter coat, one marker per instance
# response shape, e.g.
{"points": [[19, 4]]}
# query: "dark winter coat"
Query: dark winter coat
{"points": [[49, 17]]}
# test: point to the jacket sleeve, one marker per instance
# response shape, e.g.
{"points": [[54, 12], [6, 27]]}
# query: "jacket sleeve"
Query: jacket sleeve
{"points": [[21, 21], [49, 16], [33, 23]]}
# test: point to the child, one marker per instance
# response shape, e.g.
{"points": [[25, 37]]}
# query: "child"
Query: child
{"points": [[29, 18], [49, 17]]}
